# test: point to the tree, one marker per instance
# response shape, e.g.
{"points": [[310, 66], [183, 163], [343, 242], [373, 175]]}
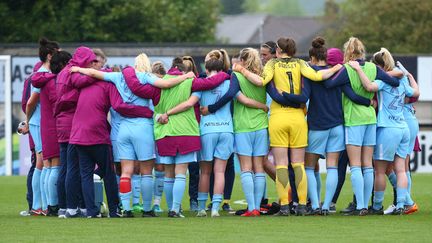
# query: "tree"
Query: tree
{"points": [[109, 20], [401, 26]]}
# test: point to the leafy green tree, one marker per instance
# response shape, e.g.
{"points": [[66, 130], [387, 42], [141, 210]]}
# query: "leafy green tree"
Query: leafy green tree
{"points": [[109, 20], [401, 26]]}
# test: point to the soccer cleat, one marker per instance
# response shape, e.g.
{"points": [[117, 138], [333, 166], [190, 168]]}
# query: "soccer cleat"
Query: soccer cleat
{"points": [[332, 208], [351, 207], [157, 209], [25, 213], [173, 214], [214, 213], [390, 209], [193, 206], [53, 211], [127, 214], [301, 210], [70, 215], [45, 212], [201, 213], [62, 213], [292, 207], [357, 212], [374, 211], [149, 214], [275, 207], [136, 208], [95, 216], [252, 213], [411, 209], [313, 212], [283, 211], [325, 212], [398, 211], [227, 208], [36, 212], [240, 212]]}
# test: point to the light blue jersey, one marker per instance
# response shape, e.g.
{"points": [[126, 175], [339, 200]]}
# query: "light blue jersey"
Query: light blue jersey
{"points": [[391, 103], [127, 95], [115, 123], [36, 116], [221, 120]]}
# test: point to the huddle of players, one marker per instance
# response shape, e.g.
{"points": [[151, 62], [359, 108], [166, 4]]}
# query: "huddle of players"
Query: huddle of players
{"points": [[161, 124]]}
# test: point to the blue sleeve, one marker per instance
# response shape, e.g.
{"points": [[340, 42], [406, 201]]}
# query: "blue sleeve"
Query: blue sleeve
{"points": [[303, 97], [114, 77], [276, 97], [380, 84], [339, 79], [381, 75], [145, 78], [228, 96], [197, 94], [409, 91], [358, 99], [34, 89]]}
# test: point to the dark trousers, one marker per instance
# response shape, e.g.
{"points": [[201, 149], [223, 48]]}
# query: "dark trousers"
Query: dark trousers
{"points": [[61, 182], [74, 196], [29, 195], [342, 167], [229, 179], [193, 181], [89, 157]]}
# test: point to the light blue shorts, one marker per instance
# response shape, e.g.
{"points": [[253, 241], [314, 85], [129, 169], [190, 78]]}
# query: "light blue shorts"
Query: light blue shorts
{"points": [[216, 145], [136, 142], [35, 132], [391, 141], [363, 135], [326, 141], [252, 143], [413, 127], [178, 159], [115, 151]]}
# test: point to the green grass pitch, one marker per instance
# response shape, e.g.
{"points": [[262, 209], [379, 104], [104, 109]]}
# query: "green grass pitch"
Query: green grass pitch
{"points": [[227, 228]]}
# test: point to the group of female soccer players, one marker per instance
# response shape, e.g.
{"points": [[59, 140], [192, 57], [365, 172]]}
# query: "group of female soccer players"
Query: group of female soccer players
{"points": [[161, 121]]}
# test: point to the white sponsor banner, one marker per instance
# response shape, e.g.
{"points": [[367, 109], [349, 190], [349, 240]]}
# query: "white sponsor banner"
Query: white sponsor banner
{"points": [[22, 67], [424, 77]]}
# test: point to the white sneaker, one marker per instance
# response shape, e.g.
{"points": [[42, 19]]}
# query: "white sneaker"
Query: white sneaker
{"points": [[214, 213], [62, 213], [25, 213], [390, 209], [202, 213]]}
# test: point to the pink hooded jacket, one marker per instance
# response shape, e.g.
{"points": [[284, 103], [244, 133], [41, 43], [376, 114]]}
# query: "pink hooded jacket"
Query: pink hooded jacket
{"points": [[68, 91]]}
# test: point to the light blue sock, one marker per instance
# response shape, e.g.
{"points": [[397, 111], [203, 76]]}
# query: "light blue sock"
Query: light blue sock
{"points": [[378, 200], [36, 204], [125, 200], [136, 189], [147, 191], [168, 190], [331, 184], [392, 179], [409, 200], [259, 186], [178, 191], [202, 200], [158, 184], [46, 187], [217, 199], [248, 188], [42, 189], [401, 197], [358, 186], [312, 187], [52, 185], [368, 178], [318, 181]]}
